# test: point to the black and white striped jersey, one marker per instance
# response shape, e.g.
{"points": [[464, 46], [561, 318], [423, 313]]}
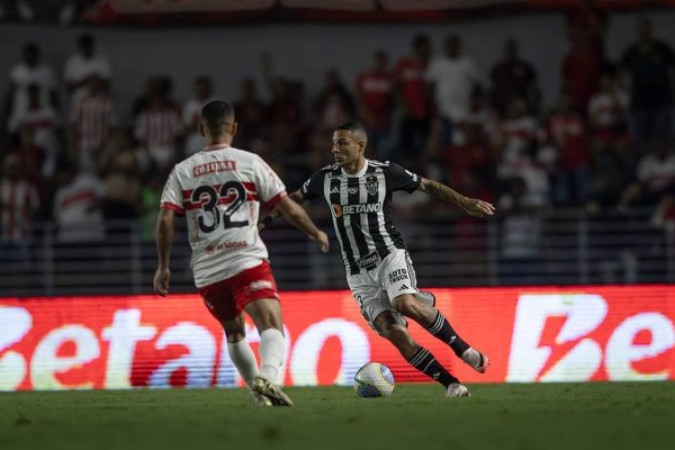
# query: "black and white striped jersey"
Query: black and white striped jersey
{"points": [[360, 205]]}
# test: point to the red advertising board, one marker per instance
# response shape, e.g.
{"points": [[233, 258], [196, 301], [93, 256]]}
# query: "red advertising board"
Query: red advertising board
{"points": [[531, 334]]}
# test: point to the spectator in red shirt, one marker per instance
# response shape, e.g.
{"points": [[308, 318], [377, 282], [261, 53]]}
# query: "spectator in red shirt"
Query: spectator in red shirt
{"points": [[411, 92], [566, 132], [375, 95], [581, 73], [513, 77], [587, 21]]}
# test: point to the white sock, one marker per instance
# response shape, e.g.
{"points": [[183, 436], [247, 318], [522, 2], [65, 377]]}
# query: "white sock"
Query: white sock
{"points": [[271, 354], [243, 358]]}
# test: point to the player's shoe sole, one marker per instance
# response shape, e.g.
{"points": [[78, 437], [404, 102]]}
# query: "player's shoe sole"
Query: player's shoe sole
{"points": [[477, 360], [457, 390], [273, 393]]}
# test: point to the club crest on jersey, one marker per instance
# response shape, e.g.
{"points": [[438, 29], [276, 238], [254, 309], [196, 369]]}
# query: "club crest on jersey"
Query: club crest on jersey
{"points": [[372, 185]]}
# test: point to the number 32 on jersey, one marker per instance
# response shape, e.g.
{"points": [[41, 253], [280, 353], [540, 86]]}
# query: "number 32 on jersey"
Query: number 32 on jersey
{"points": [[208, 198]]}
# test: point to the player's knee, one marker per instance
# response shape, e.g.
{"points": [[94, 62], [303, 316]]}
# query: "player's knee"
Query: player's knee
{"points": [[265, 314], [407, 305], [234, 330], [235, 336]]}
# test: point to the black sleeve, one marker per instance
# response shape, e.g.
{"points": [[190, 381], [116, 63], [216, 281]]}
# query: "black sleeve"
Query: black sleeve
{"points": [[313, 187], [400, 179]]}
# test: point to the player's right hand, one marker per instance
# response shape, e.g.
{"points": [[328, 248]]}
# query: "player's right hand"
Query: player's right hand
{"points": [[478, 208], [322, 239], [161, 281]]}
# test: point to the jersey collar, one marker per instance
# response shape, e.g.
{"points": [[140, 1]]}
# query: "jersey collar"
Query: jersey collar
{"points": [[210, 148], [357, 174]]}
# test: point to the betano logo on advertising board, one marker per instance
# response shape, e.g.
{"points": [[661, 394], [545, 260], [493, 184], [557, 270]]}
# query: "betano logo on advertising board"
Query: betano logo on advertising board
{"points": [[531, 334]]}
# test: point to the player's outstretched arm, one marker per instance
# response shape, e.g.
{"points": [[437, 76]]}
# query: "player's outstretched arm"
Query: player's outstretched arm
{"points": [[297, 216], [472, 206], [165, 226], [272, 216]]}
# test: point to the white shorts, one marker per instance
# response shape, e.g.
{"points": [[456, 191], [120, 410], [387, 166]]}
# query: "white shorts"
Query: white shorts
{"points": [[376, 288]]}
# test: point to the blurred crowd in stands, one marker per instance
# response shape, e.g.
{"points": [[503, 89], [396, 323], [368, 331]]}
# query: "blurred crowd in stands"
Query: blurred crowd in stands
{"points": [[70, 155]]}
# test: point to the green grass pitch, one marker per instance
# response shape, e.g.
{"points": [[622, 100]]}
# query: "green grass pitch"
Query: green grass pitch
{"points": [[417, 417]]}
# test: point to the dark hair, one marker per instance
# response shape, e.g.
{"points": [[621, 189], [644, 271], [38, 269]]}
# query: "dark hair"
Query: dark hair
{"points": [[216, 115], [351, 125], [355, 127]]}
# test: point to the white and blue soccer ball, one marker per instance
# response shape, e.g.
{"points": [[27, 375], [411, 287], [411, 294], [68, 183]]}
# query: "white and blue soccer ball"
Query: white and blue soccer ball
{"points": [[374, 380]]}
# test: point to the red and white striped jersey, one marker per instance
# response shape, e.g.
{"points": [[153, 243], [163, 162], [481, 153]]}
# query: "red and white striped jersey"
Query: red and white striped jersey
{"points": [[159, 126], [93, 116], [220, 190], [18, 203]]}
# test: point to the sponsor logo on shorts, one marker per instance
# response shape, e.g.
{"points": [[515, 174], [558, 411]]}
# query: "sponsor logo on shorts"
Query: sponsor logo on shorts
{"points": [[368, 260], [260, 284], [398, 275]]}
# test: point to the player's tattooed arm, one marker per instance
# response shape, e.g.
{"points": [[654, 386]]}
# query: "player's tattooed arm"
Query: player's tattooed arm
{"points": [[472, 206], [272, 216]]}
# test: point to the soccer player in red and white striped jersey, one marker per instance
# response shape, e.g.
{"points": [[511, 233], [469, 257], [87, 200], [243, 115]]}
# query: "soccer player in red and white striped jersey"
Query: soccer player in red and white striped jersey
{"points": [[220, 190]]}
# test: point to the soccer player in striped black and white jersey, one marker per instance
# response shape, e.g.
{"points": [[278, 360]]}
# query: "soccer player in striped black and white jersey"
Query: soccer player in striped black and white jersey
{"points": [[358, 192], [219, 190]]}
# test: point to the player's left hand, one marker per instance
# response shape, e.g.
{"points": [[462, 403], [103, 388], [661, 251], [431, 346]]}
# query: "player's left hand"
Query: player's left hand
{"points": [[161, 281], [478, 208]]}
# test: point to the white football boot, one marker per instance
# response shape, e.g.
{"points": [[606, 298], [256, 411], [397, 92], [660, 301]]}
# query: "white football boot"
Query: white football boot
{"points": [[457, 390], [478, 361]]}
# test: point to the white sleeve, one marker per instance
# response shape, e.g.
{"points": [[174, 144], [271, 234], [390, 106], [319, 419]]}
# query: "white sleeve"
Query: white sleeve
{"points": [[172, 195], [269, 186]]}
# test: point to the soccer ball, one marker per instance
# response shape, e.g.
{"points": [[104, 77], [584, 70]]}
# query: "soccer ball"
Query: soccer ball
{"points": [[374, 380]]}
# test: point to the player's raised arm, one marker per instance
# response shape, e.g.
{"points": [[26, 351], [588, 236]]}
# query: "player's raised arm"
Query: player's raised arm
{"points": [[297, 216], [165, 227], [272, 216], [472, 206]]}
